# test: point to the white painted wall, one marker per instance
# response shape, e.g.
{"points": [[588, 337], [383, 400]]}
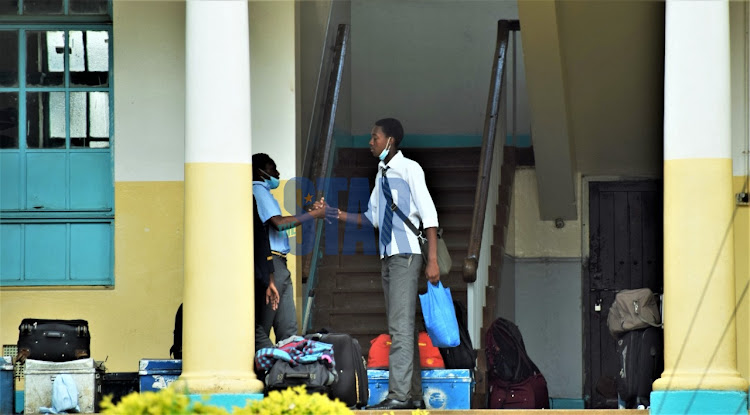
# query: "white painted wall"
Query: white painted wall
{"points": [[313, 21], [548, 313], [149, 71], [273, 83], [149, 88], [541, 288], [740, 62], [427, 63]]}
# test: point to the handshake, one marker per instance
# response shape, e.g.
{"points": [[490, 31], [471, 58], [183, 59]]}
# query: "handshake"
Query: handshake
{"points": [[320, 209]]}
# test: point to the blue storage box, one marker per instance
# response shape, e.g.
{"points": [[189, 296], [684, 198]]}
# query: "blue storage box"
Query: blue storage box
{"points": [[441, 388], [7, 386], [158, 374]]}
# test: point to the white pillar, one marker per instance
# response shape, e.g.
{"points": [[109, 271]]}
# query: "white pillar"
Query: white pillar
{"points": [[218, 312], [700, 372]]}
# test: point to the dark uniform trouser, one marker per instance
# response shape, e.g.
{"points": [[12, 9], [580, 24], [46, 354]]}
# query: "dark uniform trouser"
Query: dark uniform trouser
{"points": [[400, 276], [284, 319]]}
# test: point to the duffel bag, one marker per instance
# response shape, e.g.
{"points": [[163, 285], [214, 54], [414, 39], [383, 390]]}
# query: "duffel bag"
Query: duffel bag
{"points": [[531, 393], [633, 310], [315, 376]]}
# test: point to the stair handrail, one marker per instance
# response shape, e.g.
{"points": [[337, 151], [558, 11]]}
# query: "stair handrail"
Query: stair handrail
{"points": [[321, 164], [471, 262]]}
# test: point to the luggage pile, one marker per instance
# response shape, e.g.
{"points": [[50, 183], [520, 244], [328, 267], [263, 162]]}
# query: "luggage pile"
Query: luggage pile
{"points": [[58, 365], [328, 363], [634, 320]]}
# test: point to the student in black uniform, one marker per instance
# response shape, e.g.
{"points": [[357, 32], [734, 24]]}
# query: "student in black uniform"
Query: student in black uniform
{"points": [[265, 289]]}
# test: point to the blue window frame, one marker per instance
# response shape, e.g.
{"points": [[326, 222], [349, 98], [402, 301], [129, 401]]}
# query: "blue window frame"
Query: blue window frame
{"points": [[56, 138]]}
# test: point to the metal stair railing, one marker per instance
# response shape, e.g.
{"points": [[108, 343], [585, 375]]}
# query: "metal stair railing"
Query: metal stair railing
{"points": [[477, 263], [320, 166], [487, 155]]}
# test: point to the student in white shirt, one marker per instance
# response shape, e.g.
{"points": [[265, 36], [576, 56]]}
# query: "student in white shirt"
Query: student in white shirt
{"points": [[401, 256]]}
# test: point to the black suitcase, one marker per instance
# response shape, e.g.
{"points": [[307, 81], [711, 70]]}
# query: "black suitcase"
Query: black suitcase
{"points": [[641, 354], [316, 377], [351, 388], [53, 340]]}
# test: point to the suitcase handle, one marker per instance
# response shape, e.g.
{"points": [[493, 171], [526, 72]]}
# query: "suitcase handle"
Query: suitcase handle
{"points": [[56, 334], [296, 375]]}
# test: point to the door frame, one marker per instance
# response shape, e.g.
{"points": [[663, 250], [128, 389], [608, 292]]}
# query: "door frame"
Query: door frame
{"points": [[585, 280]]}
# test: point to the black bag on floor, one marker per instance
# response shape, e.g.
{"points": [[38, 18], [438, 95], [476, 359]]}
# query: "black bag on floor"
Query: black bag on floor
{"points": [[462, 356], [351, 388], [316, 377], [53, 340], [641, 363], [515, 380]]}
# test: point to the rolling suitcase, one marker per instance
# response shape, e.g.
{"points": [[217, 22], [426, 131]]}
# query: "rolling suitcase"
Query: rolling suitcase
{"points": [[316, 377], [53, 340], [351, 388], [641, 363]]}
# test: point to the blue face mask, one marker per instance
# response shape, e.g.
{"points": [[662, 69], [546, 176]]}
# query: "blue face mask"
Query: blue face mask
{"points": [[386, 150], [271, 181]]}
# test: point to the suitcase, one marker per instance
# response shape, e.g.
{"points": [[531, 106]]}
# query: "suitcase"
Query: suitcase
{"points": [[641, 363], [316, 377], [531, 393], [351, 387], [53, 340]]}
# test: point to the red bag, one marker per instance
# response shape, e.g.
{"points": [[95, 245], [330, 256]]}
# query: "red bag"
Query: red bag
{"points": [[429, 355], [380, 348], [530, 394]]}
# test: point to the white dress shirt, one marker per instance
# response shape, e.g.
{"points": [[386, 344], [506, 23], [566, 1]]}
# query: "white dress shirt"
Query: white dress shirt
{"points": [[409, 191]]}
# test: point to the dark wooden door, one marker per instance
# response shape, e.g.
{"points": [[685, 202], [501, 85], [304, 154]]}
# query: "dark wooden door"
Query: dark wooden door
{"points": [[625, 251]]}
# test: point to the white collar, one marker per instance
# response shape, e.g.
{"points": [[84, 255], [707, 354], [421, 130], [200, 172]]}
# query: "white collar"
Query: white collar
{"points": [[397, 158]]}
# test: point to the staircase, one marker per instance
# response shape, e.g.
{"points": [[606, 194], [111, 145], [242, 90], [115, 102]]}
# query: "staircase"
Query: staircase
{"points": [[500, 234], [349, 295]]}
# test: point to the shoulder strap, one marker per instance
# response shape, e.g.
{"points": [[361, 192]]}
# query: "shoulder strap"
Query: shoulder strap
{"points": [[637, 313]]}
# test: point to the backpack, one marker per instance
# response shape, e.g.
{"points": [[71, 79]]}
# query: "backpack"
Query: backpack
{"points": [[462, 356], [506, 353], [633, 310], [515, 381], [176, 349]]}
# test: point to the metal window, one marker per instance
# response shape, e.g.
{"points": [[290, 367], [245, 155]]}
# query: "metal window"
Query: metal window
{"points": [[56, 138]]}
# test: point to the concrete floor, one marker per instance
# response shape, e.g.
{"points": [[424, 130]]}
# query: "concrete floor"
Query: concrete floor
{"points": [[520, 412]]}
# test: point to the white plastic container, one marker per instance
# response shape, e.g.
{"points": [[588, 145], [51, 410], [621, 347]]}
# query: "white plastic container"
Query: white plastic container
{"points": [[40, 375]]}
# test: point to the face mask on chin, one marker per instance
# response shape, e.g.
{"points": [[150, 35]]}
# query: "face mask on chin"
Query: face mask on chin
{"points": [[386, 150], [271, 181]]}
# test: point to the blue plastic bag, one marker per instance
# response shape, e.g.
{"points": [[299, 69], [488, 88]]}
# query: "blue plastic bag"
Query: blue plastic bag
{"points": [[440, 316], [64, 396]]}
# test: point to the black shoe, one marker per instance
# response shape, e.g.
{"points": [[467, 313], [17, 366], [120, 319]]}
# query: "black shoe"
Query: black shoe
{"points": [[393, 404], [419, 404]]}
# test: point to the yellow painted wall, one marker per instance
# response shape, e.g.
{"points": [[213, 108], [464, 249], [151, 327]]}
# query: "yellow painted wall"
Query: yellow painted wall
{"points": [[742, 279], [133, 320], [531, 237], [739, 41]]}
